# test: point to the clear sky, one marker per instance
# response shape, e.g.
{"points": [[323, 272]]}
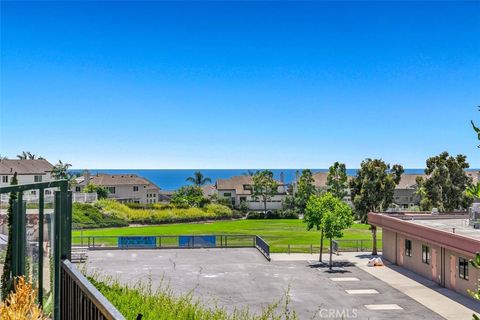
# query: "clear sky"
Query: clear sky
{"points": [[239, 85]]}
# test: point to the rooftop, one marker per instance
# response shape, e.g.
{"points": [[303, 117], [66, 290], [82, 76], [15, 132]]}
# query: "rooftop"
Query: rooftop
{"points": [[26, 166], [461, 226]]}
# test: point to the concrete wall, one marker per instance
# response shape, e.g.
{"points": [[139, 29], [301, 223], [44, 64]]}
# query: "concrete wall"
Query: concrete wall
{"points": [[275, 202], [125, 193]]}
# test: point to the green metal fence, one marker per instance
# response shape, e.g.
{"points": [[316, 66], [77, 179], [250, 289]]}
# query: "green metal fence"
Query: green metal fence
{"points": [[59, 239]]}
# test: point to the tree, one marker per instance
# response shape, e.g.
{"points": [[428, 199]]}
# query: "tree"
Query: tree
{"points": [[7, 277], [305, 189], [372, 190], [101, 191], [249, 173], [189, 196], [474, 191], [313, 217], [198, 179], [28, 155], [3, 157], [60, 170], [337, 180], [446, 184], [264, 186], [337, 216]]}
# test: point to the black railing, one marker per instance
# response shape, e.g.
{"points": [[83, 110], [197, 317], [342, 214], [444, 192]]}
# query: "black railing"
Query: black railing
{"points": [[172, 242], [81, 300], [263, 247]]}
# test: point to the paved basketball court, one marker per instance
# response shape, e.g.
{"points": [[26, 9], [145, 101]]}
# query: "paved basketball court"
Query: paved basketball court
{"points": [[244, 278]]}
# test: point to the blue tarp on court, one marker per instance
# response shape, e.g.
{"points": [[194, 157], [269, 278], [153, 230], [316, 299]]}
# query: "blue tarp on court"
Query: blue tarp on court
{"points": [[197, 241], [136, 242]]}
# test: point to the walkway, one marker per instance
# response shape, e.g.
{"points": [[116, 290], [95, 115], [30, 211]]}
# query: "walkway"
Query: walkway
{"points": [[444, 302]]}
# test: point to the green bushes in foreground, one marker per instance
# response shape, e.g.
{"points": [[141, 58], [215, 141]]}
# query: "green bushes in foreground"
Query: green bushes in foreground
{"points": [[162, 304], [164, 214]]}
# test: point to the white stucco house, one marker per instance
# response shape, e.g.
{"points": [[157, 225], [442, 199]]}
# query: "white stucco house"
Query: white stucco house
{"points": [[28, 171], [122, 187], [239, 189]]}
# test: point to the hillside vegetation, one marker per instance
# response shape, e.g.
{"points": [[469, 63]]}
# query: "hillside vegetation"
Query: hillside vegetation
{"points": [[110, 213]]}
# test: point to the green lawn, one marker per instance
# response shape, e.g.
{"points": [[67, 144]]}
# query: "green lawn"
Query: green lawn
{"points": [[278, 233]]}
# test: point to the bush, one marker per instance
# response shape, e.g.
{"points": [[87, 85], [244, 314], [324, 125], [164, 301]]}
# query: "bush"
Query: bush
{"points": [[167, 214], [163, 304], [89, 216], [273, 214], [21, 304]]}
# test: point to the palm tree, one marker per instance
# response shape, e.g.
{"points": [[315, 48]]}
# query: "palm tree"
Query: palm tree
{"points": [[60, 171], [28, 155], [198, 179], [3, 157], [474, 191], [249, 173]]}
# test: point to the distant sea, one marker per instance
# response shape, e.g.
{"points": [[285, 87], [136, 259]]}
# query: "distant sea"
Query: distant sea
{"points": [[171, 179]]}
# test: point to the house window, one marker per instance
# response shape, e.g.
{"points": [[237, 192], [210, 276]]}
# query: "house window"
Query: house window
{"points": [[136, 201], [77, 189], [37, 178], [227, 195], [243, 199], [135, 188], [5, 179], [48, 192], [408, 248], [463, 268], [247, 187], [425, 254], [34, 192], [111, 189]]}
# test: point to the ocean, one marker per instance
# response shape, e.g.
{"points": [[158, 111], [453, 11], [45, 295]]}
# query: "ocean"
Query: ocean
{"points": [[172, 179]]}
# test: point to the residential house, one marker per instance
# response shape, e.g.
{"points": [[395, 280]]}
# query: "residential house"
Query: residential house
{"points": [[122, 187], [405, 195], [28, 171], [239, 190]]}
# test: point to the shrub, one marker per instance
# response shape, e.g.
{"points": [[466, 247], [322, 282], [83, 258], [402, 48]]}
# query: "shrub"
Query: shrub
{"points": [[21, 303], [167, 214], [189, 196], [273, 214], [163, 304], [89, 216]]}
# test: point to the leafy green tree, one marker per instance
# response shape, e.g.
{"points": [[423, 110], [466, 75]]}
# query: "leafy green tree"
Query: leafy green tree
{"points": [[305, 189], [372, 190], [264, 186], [198, 179], [101, 191], [189, 196], [337, 216], [7, 277], [26, 155], [446, 184], [337, 180]]}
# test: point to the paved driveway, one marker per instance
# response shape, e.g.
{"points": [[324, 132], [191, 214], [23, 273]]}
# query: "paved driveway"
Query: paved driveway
{"points": [[238, 278]]}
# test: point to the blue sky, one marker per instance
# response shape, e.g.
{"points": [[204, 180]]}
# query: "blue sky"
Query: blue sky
{"points": [[239, 85]]}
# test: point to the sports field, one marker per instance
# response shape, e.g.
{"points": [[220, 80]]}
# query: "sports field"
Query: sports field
{"points": [[278, 233]]}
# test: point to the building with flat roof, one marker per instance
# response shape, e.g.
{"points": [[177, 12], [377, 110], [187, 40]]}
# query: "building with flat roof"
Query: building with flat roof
{"points": [[436, 246]]}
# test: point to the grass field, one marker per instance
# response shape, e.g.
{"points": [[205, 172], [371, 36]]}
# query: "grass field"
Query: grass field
{"points": [[278, 233]]}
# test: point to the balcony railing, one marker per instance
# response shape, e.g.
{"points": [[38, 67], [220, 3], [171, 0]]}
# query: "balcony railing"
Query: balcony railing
{"points": [[81, 300]]}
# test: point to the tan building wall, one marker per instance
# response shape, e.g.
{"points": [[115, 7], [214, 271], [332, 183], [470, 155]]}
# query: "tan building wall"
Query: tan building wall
{"points": [[394, 251]]}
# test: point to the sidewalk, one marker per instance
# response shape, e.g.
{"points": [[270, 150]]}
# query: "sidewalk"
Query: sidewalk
{"points": [[444, 302]]}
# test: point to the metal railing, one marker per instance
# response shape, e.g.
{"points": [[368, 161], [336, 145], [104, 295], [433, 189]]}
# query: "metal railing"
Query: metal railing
{"points": [[263, 247], [337, 246], [81, 300], [68, 289]]}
